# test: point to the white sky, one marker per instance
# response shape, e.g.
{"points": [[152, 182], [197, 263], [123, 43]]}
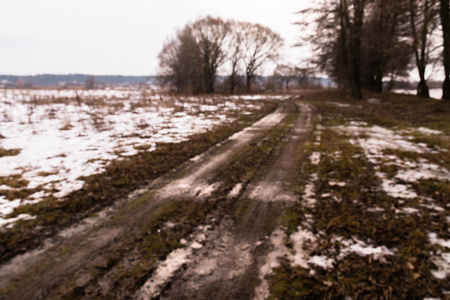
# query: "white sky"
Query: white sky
{"points": [[118, 36]]}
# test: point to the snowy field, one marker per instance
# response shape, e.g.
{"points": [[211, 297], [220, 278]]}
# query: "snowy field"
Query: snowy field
{"points": [[50, 139]]}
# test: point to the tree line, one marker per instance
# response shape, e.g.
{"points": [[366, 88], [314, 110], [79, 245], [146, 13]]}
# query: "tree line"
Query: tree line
{"points": [[190, 61], [361, 42]]}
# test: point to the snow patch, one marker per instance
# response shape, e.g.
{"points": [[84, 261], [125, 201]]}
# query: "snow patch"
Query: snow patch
{"points": [[8, 222], [442, 263], [65, 135], [235, 191], [303, 242], [434, 239], [362, 249], [376, 139], [339, 104], [396, 190], [315, 158], [277, 239], [167, 269], [375, 209], [428, 130], [336, 183], [321, 261]]}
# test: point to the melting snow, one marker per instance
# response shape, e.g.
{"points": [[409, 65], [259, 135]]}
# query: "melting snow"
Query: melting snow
{"points": [[380, 139], [428, 130], [336, 183], [321, 261], [309, 196], [339, 104], [277, 239], [362, 249], [315, 158], [435, 240], [301, 241], [375, 209], [65, 135], [442, 263], [397, 190], [9, 221], [173, 262], [165, 271], [235, 191]]}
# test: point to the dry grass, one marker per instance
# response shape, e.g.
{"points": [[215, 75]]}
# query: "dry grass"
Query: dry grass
{"points": [[342, 211]]}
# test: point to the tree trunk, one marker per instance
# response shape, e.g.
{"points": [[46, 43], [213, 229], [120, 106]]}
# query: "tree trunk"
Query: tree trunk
{"points": [[233, 79], [446, 88], [208, 80], [445, 20], [249, 84], [378, 84], [232, 83], [351, 38], [422, 89]]}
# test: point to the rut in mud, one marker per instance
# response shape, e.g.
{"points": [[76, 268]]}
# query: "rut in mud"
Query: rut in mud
{"points": [[222, 257], [228, 267]]}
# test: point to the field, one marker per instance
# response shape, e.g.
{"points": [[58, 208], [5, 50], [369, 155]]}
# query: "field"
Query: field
{"points": [[128, 194], [52, 139]]}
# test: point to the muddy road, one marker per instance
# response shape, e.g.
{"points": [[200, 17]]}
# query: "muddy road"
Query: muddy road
{"points": [[205, 226]]}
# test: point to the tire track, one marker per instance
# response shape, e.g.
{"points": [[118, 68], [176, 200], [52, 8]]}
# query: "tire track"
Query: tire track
{"points": [[227, 267]]}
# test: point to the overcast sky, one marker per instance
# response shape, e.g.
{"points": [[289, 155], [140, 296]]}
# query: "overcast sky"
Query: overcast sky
{"points": [[118, 36]]}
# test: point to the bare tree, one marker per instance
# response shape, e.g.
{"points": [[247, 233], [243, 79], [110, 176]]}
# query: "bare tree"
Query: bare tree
{"points": [[234, 53], [283, 75], [191, 60], [90, 82], [180, 63], [210, 36], [445, 22], [337, 39], [351, 16], [259, 45], [302, 75], [422, 15], [384, 47]]}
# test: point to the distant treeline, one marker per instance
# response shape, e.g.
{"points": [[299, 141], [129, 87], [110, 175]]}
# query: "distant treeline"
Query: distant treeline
{"points": [[74, 79]]}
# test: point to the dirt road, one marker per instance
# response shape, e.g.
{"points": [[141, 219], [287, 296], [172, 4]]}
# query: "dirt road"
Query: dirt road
{"points": [[220, 258]]}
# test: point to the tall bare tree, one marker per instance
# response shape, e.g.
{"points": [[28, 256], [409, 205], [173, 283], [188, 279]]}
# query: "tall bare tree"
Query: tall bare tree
{"points": [[351, 16], [234, 53], [283, 75], [422, 15], [90, 82], [384, 47], [260, 44], [445, 23], [210, 35], [337, 39], [191, 60], [180, 62]]}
